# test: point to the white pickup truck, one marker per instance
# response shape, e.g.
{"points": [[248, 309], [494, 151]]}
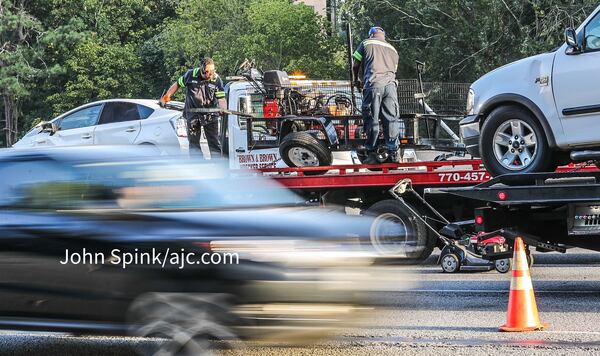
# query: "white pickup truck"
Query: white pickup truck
{"points": [[528, 116]]}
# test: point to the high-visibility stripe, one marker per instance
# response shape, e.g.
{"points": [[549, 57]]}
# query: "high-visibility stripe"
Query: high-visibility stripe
{"points": [[521, 283], [220, 94], [195, 71], [357, 56], [181, 82], [379, 43]]}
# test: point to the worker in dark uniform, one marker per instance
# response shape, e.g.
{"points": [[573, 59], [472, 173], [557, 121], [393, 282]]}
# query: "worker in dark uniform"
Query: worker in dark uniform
{"points": [[204, 91], [379, 62]]}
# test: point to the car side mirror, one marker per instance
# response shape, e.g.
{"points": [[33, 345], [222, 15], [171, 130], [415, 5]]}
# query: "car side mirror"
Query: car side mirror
{"points": [[50, 127], [571, 39]]}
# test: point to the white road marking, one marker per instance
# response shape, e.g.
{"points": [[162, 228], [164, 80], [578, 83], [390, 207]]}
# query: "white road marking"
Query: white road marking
{"points": [[497, 291]]}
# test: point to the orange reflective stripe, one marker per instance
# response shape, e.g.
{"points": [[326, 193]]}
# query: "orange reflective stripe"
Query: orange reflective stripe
{"points": [[520, 273]]}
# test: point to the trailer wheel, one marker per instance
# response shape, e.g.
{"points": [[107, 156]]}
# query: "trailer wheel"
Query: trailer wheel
{"points": [[450, 263], [301, 149], [504, 265], [397, 233]]}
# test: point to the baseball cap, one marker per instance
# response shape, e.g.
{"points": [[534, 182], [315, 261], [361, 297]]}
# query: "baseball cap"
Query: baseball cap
{"points": [[373, 30]]}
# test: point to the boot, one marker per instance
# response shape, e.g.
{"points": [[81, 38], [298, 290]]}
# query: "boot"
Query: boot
{"points": [[394, 157], [371, 158]]}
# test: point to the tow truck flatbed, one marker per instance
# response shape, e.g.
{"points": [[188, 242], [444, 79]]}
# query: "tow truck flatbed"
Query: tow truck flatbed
{"points": [[442, 173], [536, 188], [450, 173]]}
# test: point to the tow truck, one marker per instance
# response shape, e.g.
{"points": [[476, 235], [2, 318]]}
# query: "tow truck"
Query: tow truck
{"points": [[306, 134], [409, 223]]}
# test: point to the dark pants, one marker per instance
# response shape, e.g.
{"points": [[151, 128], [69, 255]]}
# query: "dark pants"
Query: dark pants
{"points": [[381, 104], [211, 131]]}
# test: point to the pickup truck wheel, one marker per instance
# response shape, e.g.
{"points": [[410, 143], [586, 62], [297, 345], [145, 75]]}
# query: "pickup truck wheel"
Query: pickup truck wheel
{"points": [[397, 233], [512, 141], [301, 149]]}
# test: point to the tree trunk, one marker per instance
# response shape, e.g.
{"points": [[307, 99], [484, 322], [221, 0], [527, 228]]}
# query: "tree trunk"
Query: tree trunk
{"points": [[10, 120]]}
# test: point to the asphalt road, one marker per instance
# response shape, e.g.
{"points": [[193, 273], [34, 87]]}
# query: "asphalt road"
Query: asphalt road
{"points": [[441, 314]]}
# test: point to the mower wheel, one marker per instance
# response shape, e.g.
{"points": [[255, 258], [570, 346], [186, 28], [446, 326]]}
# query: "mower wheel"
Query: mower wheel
{"points": [[450, 263], [504, 265]]}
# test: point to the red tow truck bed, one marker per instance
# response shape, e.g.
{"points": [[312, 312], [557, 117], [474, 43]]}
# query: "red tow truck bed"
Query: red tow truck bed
{"points": [[422, 174]]}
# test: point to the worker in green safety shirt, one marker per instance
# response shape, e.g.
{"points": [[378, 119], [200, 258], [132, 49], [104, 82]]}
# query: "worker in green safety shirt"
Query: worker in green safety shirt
{"points": [[204, 90], [379, 62]]}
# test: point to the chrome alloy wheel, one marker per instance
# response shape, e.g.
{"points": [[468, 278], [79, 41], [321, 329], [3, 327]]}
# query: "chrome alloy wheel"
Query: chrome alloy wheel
{"points": [[515, 144]]}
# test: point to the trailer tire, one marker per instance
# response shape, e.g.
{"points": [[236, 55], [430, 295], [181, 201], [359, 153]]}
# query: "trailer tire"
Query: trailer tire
{"points": [[301, 149], [397, 233]]}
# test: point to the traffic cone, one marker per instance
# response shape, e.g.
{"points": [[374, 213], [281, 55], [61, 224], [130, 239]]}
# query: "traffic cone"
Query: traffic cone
{"points": [[522, 312]]}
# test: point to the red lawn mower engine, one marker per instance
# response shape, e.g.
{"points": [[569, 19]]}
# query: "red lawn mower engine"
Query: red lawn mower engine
{"points": [[492, 245], [275, 83]]}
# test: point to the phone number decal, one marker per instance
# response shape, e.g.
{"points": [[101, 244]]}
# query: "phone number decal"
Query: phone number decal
{"points": [[464, 177]]}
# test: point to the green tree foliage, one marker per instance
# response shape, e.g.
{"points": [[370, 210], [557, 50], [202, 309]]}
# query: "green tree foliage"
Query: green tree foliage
{"points": [[463, 39], [56, 54], [107, 61], [19, 55], [297, 41], [277, 34], [100, 71]]}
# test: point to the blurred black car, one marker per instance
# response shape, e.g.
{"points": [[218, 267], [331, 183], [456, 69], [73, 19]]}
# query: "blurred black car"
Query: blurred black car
{"points": [[71, 216]]}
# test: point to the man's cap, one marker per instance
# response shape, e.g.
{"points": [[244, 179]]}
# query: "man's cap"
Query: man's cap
{"points": [[375, 29]]}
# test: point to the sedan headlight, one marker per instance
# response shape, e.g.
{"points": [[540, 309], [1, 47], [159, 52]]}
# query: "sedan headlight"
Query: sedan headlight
{"points": [[471, 102]]}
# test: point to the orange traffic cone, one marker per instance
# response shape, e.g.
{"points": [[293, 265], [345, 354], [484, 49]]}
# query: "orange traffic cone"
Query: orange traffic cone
{"points": [[522, 312]]}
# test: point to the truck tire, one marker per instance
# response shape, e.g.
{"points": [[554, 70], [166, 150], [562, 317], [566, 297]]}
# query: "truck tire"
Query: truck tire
{"points": [[301, 149], [512, 141], [397, 233]]}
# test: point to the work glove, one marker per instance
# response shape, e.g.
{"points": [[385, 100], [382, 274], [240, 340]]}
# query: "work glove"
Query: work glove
{"points": [[164, 100]]}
